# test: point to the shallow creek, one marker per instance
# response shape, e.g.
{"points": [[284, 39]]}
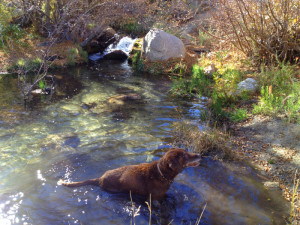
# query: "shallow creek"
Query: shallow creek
{"points": [[79, 135]]}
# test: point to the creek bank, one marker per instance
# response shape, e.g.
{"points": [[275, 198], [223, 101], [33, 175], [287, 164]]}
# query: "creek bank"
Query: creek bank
{"points": [[273, 147]]}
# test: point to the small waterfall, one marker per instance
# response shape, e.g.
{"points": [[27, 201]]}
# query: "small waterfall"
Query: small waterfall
{"points": [[125, 44]]}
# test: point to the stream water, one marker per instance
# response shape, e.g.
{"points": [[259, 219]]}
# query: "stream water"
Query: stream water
{"points": [[79, 135]]}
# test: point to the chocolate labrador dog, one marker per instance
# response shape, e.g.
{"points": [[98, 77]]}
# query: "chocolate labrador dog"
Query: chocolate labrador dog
{"points": [[152, 178]]}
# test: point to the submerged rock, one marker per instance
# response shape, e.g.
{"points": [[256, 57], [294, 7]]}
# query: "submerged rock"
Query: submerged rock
{"points": [[116, 55], [73, 141], [272, 185], [159, 45], [120, 106]]}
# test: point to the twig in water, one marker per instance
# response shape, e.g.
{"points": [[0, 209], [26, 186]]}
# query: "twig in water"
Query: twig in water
{"points": [[149, 208], [199, 219], [134, 214]]}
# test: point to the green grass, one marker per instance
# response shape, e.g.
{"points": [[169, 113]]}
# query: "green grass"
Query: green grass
{"points": [[197, 84], [10, 33], [280, 92], [238, 115], [32, 65], [137, 62], [74, 54], [130, 27]]}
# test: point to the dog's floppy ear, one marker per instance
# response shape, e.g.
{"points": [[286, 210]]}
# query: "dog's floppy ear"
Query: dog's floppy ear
{"points": [[173, 164]]}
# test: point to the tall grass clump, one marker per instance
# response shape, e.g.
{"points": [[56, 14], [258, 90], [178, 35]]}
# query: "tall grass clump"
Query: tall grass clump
{"points": [[263, 30], [198, 83], [238, 115], [76, 53], [226, 84], [280, 92], [9, 34], [295, 212], [206, 142]]}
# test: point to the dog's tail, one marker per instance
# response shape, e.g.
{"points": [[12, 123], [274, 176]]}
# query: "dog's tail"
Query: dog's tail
{"points": [[95, 181]]}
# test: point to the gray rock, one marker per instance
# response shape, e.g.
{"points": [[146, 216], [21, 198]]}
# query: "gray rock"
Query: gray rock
{"points": [[98, 43], [272, 185], [210, 70], [248, 85], [37, 91], [159, 45]]}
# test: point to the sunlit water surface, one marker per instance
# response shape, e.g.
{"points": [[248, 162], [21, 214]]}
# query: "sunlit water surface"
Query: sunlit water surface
{"points": [[79, 136]]}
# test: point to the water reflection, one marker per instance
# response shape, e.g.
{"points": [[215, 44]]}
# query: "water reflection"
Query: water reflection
{"points": [[68, 140]]}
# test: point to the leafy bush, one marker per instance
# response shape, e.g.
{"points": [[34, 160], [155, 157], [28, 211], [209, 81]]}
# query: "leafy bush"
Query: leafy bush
{"points": [[198, 83], [10, 32], [280, 92], [75, 54], [238, 115], [263, 30], [129, 26], [268, 103], [83, 54], [28, 65], [226, 84], [280, 77]]}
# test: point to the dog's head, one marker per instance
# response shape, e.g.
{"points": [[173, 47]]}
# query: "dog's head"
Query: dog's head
{"points": [[177, 159]]}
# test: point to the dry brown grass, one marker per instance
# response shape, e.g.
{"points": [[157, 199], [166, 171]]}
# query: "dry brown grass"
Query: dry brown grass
{"points": [[209, 141]]}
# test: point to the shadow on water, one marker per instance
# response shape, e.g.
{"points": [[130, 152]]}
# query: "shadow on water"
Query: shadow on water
{"points": [[77, 137]]}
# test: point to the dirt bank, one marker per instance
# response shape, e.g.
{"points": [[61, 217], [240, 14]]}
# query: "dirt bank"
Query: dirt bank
{"points": [[273, 146]]}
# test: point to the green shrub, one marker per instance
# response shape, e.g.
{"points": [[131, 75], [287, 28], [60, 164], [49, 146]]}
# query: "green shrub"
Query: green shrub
{"points": [[10, 33], [42, 84], [268, 103], [217, 106], [76, 54], [198, 83], [280, 92], [204, 38], [180, 69], [180, 87], [291, 105], [281, 77], [238, 115], [83, 54], [226, 84], [32, 65], [129, 26], [72, 55]]}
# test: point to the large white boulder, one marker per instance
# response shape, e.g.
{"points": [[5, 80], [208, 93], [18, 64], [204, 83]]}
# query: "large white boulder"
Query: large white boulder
{"points": [[248, 85], [159, 45]]}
